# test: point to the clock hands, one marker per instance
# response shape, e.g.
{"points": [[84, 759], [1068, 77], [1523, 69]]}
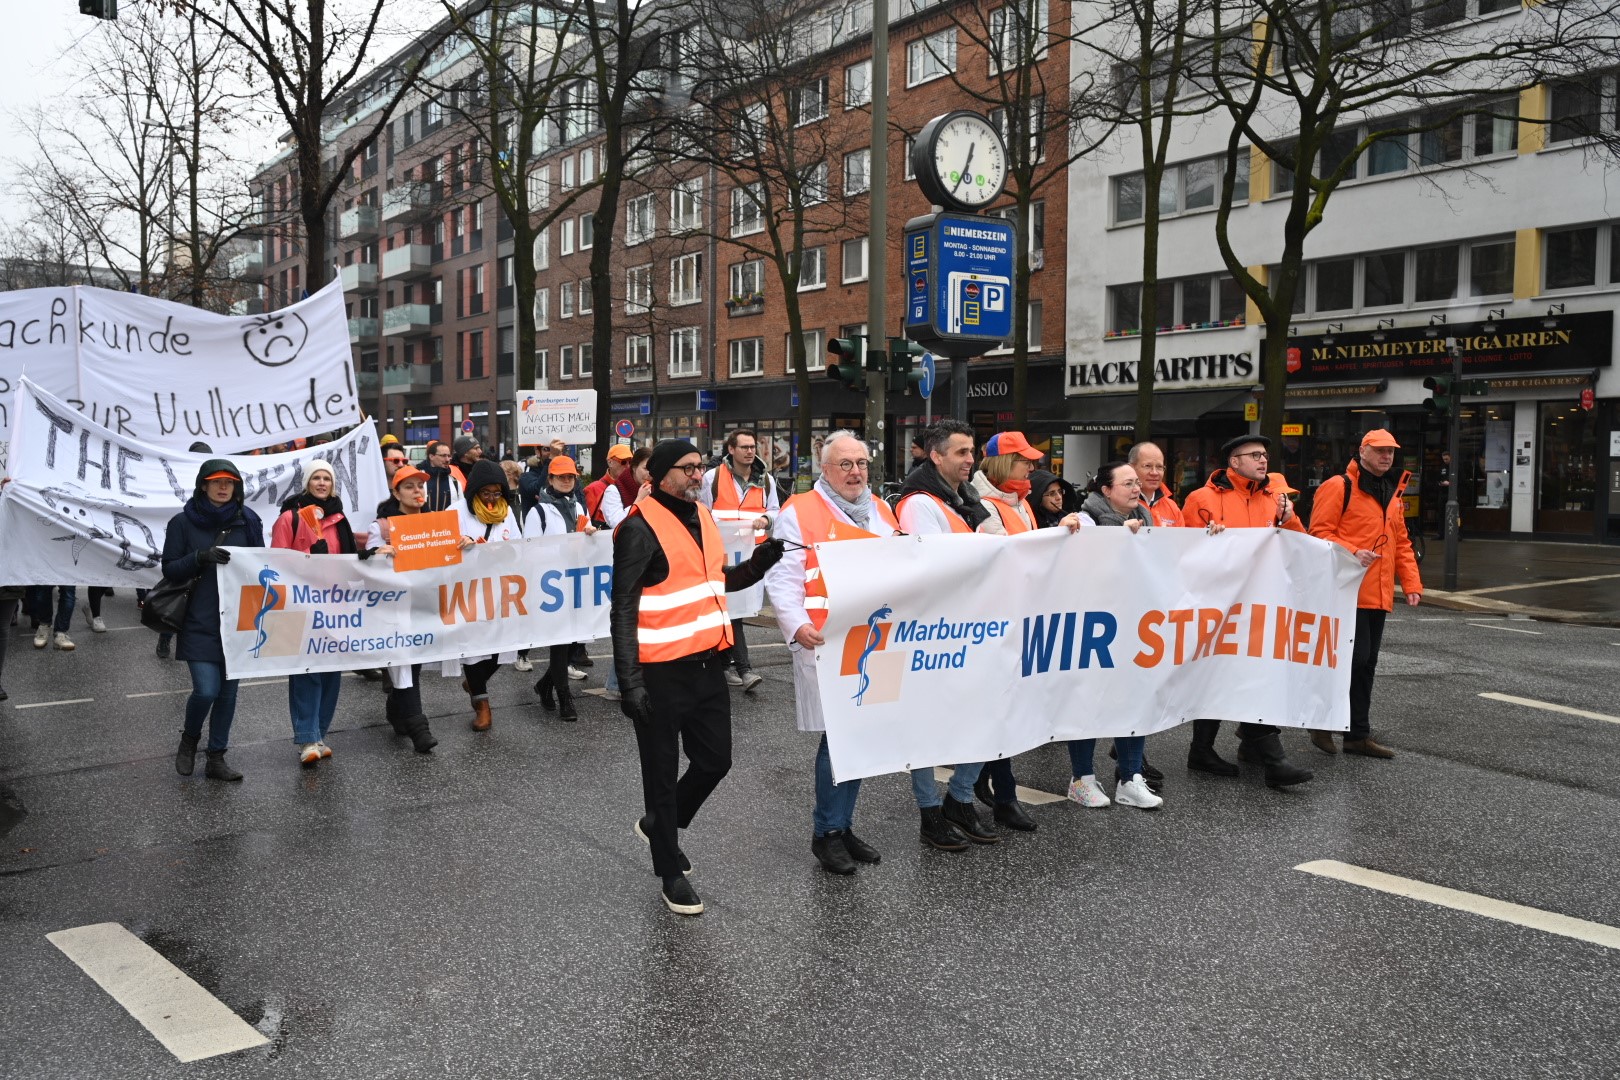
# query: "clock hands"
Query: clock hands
{"points": [[963, 175]]}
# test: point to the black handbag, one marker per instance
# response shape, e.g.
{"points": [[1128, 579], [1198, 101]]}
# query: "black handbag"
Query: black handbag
{"points": [[167, 602]]}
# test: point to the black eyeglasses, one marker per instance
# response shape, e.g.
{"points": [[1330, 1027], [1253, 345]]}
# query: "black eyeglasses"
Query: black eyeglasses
{"points": [[691, 470]]}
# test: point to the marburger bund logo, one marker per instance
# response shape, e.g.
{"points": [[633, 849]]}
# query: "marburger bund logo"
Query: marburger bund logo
{"points": [[878, 669]]}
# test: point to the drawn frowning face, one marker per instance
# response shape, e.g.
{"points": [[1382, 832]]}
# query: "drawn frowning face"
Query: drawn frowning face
{"points": [[276, 339]]}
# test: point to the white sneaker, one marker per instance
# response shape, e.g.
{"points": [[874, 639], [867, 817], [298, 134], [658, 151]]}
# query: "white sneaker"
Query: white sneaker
{"points": [[1087, 792], [751, 681], [98, 625], [42, 637], [732, 678], [1135, 792], [309, 754], [575, 673], [523, 664], [326, 751], [65, 643], [612, 695]]}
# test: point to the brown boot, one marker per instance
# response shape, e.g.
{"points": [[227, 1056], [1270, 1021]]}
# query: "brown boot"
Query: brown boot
{"points": [[1323, 741], [482, 717], [1367, 748]]}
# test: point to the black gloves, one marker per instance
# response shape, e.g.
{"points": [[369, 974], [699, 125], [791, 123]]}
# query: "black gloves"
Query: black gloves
{"points": [[366, 553], [318, 548], [216, 555], [636, 705], [766, 555]]}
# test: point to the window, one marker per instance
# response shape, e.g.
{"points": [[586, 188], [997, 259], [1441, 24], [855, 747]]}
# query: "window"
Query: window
{"points": [[565, 300], [1187, 303], [1035, 127], [747, 213], [567, 168], [808, 103], [1335, 285], [1383, 279], [565, 362], [638, 357], [1017, 34], [587, 165], [1497, 134], [542, 309], [857, 172], [747, 357], [686, 205], [1034, 325], [813, 188], [586, 297], [747, 280], [638, 220], [684, 279], [931, 57], [540, 188], [542, 360], [858, 85], [542, 249], [1191, 185], [1490, 268], [565, 234], [750, 133], [683, 352], [813, 269], [1436, 274], [1576, 109], [1037, 228], [815, 350], [855, 260], [587, 231], [1572, 260], [906, 169], [638, 290], [585, 360]]}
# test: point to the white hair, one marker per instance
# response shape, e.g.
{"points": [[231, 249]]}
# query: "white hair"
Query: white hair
{"points": [[836, 437]]}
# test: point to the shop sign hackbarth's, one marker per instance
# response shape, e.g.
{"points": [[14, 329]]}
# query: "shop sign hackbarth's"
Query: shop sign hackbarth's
{"points": [[1205, 358], [1583, 339]]}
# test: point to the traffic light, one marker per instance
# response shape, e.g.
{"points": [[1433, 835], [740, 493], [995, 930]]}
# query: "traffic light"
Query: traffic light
{"points": [[1439, 401], [848, 364], [100, 9], [903, 371]]}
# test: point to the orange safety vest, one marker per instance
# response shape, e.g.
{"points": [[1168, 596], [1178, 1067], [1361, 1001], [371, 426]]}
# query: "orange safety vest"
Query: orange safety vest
{"points": [[957, 524], [1009, 517], [817, 525], [686, 612], [727, 507]]}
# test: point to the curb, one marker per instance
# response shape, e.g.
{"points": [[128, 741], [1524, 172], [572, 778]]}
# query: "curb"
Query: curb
{"points": [[1481, 605]]}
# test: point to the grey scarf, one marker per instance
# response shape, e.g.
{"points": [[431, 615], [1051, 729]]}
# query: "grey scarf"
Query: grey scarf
{"points": [[859, 512], [1103, 512]]}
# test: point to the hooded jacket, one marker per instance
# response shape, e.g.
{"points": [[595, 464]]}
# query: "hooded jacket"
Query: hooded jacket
{"points": [[1039, 481], [1235, 502], [1363, 524], [490, 474], [197, 527]]}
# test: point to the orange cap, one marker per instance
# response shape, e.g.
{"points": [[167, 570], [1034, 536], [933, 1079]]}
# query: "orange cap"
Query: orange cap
{"points": [[1011, 442], [407, 472], [221, 475], [1379, 437], [620, 452], [563, 465]]}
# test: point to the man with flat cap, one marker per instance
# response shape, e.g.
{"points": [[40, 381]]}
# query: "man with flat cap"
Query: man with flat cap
{"points": [[671, 635], [1362, 509], [1243, 495]]}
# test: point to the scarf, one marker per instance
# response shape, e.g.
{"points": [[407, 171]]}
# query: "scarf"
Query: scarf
{"points": [[859, 512], [1381, 488], [1103, 513], [203, 513], [962, 501], [331, 510], [488, 516], [1019, 488]]}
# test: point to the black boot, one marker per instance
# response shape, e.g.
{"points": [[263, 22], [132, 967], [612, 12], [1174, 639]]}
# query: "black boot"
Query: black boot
{"points": [[579, 658], [396, 715], [1013, 816], [830, 852], [939, 833], [981, 789], [417, 728], [542, 686], [1201, 756], [1267, 749], [565, 703], [216, 768], [965, 816], [185, 759]]}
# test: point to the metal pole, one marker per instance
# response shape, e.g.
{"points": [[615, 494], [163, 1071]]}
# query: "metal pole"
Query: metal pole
{"points": [[1454, 438], [959, 388], [877, 262]]}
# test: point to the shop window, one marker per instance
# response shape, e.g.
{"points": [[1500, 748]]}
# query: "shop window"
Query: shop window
{"points": [[1567, 485]]}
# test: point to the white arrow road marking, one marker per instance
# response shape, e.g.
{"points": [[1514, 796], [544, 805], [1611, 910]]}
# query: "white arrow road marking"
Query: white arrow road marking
{"points": [[191, 1023]]}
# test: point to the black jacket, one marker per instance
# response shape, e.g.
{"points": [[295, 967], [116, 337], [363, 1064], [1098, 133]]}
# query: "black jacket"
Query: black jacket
{"points": [[199, 635], [639, 563]]}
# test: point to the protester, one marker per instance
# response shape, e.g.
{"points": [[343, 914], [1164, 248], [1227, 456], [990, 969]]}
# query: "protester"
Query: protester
{"points": [[464, 452], [1148, 461], [1241, 495], [1052, 498], [445, 489], [918, 454], [670, 636], [1112, 501], [838, 507], [314, 522], [1363, 511], [93, 597], [11, 596], [558, 510], [618, 460], [489, 516], [404, 705], [632, 486], [45, 620], [193, 550], [529, 481], [936, 498], [739, 489], [394, 458]]}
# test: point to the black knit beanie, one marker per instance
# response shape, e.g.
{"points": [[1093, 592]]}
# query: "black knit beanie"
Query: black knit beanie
{"points": [[665, 455]]}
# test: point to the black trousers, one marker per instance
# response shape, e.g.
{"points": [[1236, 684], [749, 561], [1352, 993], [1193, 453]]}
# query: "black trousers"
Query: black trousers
{"points": [[407, 702], [556, 675], [1363, 666], [691, 710]]}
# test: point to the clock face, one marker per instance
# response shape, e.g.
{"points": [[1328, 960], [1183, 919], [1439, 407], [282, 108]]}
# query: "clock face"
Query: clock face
{"points": [[969, 161]]}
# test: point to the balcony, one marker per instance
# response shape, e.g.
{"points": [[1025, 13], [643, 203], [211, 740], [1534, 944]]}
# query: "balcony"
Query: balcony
{"points": [[407, 379], [247, 265], [408, 262], [368, 382], [360, 275], [253, 305], [362, 330], [408, 320], [358, 223], [410, 201]]}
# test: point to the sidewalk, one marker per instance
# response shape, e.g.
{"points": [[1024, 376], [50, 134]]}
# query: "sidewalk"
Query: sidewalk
{"points": [[1575, 583]]}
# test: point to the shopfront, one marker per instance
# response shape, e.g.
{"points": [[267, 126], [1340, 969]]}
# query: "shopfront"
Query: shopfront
{"points": [[990, 406]]}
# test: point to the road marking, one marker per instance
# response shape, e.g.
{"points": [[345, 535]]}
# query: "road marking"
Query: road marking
{"points": [[191, 1023], [1025, 794], [1550, 707], [159, 693], [1509, 629], [48, 704], [1535, 918], [1536, 585]]}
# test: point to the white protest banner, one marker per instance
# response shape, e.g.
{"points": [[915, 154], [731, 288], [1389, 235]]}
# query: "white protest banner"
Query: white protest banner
{"points": [[944, 649], [543, 415], [283, 612], [169, 375], [86, 506], [739, 540]]}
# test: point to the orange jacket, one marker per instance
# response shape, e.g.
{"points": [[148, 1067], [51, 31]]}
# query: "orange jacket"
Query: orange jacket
{"points": [[1165, 512], [1234, 502], [1363, 526]]}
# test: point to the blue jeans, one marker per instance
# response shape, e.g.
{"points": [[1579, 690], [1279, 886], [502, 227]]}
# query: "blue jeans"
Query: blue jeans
{"points": [[835, 803], [926, 791], [212, 696], [1132, 749], [39, 606], [312, 699], [612, 682]]}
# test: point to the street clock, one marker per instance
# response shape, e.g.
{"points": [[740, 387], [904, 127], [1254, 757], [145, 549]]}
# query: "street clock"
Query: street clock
{"points": [[960, 161]]}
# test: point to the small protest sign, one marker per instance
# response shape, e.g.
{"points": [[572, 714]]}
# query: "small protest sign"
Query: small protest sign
{"points": [[425, 541]]}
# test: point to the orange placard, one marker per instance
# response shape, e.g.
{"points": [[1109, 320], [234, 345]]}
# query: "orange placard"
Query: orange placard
{"points": [[422, 541]]}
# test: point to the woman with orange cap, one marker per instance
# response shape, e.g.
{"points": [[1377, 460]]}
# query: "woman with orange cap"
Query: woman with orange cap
{"points": [[558, 510]]}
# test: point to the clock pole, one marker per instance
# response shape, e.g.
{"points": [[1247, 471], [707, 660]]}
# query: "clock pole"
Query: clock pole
{"points": [[877, 254]]}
